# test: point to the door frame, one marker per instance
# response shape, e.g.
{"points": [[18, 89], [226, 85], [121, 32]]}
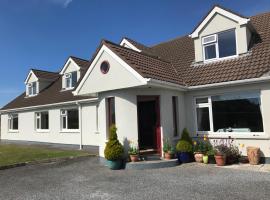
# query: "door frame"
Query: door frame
{"points": [[156, 98]]}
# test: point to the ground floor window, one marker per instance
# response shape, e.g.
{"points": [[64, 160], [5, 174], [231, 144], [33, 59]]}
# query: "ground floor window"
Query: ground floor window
{"points": [[42, 120], [13, 122], [70, 119], [110, 113], [236, 112], [175, 115]]}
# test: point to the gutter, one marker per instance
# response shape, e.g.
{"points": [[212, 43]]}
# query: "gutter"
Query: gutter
{"points": [[165, 84], [49, 105]]}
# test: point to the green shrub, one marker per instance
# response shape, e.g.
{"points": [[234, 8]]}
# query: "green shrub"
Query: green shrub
{"points": [[114, 149], [185, 136], [184, 146]]}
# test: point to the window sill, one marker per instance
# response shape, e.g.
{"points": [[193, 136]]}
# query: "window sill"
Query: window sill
{"points": [[67, 89], [13, 131], [219, 59], [235, 135], [43, 131], [70, 131]]}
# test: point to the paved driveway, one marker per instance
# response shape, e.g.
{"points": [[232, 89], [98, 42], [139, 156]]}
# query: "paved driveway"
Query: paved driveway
{"points": [[86, 179]]}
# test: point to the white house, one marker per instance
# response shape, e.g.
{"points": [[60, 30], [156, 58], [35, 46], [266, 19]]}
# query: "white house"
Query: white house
{"points": [[215, 81]]}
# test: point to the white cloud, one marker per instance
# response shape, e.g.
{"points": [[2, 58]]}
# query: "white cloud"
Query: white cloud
{"points": [[64, 3]]}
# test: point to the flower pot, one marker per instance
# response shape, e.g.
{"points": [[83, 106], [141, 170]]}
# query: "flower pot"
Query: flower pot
{"points": [[114, 164], [198, 157], [168, 156], [253, 154], [205, 159], [184, 157], [134, 158], [220, 160]]}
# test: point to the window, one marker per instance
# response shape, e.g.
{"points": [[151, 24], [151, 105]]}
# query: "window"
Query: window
{"points": [[32, 89], [219, 45], [70, 80], [175, 115], [110, 104], [104, 67], [13, 122], [70, 119], [42, 120], [239, 113]]}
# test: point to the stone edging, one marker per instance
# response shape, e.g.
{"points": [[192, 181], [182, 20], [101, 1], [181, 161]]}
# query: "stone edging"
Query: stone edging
{"points": [[45, 161]]}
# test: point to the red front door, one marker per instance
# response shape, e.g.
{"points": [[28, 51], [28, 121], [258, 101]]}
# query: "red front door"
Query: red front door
{"points": [[149, 123]]}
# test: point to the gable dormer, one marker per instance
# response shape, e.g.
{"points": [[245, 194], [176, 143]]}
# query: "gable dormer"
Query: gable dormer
{"points": [[32, 84], [222, 34], [70, 73], [37, 80]]}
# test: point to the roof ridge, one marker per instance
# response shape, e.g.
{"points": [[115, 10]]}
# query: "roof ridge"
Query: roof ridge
{"points": [[33, 69], [142, 53]]}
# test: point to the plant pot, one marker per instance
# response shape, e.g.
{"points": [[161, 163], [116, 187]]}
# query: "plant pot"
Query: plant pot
{"points": [[220, 160], [134, 158], [253, 154], [114, 164], [198, 156], [211, 159], [184, 157], [205, 159], [168, 156]]}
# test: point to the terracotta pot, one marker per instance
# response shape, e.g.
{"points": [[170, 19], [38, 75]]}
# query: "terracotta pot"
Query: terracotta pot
{"points": [[220, 160], [134, 158], [198, 157], [205, 159], [168, 156], [253, 154]]}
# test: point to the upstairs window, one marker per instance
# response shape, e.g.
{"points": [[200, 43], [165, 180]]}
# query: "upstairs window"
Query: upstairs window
{"points": [[219, 45], [70, 80], [13, 122], [32, 89], [42, 121]]}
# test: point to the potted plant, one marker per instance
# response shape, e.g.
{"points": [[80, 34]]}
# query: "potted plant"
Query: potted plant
{"points": [[211, 156], [220, 154], [168, 150], [233, 154], [114, 150], [184, 147], [198, 151], [133, 153], [205, 158]]}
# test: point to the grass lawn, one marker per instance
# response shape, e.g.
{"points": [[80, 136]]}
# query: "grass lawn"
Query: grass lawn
{"points": [[12, 154]]}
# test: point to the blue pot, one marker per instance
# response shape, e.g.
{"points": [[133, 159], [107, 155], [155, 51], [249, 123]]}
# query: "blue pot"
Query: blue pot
{"points": [[114, 164], [184, 157]]}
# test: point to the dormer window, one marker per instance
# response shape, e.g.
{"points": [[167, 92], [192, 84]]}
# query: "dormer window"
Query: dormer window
{"points": [[32, 89], [219, 45], [70, 80]]}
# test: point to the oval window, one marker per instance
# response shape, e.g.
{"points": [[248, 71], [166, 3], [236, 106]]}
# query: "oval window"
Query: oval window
{"points": [[104, 67]]}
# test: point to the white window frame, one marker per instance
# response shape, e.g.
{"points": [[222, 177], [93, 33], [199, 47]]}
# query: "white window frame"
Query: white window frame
{"points": [[30, 89], [64, 114], [217, 47], [69, 76], [38, 116], [224, 134], [10, 122]]}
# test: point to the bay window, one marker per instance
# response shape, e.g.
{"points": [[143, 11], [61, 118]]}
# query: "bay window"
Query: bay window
{"points": [[219, 45], [13, 122], [236, 112], [70, 119], [42, 121]]}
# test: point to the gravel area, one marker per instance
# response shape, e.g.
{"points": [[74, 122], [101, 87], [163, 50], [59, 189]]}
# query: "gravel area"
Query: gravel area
{"points": [[86, 179]]}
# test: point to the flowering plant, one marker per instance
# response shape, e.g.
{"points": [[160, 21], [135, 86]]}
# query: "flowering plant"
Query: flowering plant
{"points": [[133, 148]]}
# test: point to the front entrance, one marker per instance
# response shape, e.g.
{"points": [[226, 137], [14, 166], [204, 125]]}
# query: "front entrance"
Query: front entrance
{"points": [[149, 123]]}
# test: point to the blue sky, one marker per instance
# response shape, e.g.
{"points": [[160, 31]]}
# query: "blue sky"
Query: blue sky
{"points": [[43, 33]]}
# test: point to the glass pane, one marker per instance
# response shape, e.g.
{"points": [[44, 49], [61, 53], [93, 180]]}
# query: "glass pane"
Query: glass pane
{"points": [[64, 122], [73, 119], [68, 82], [15, 123], [34, 88], [30, 90], [38, 123], [227, 43], [210, 51], [202, 100], [203, 122], [74, 79], [45, 120], [175, 115], [237, 115]]}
